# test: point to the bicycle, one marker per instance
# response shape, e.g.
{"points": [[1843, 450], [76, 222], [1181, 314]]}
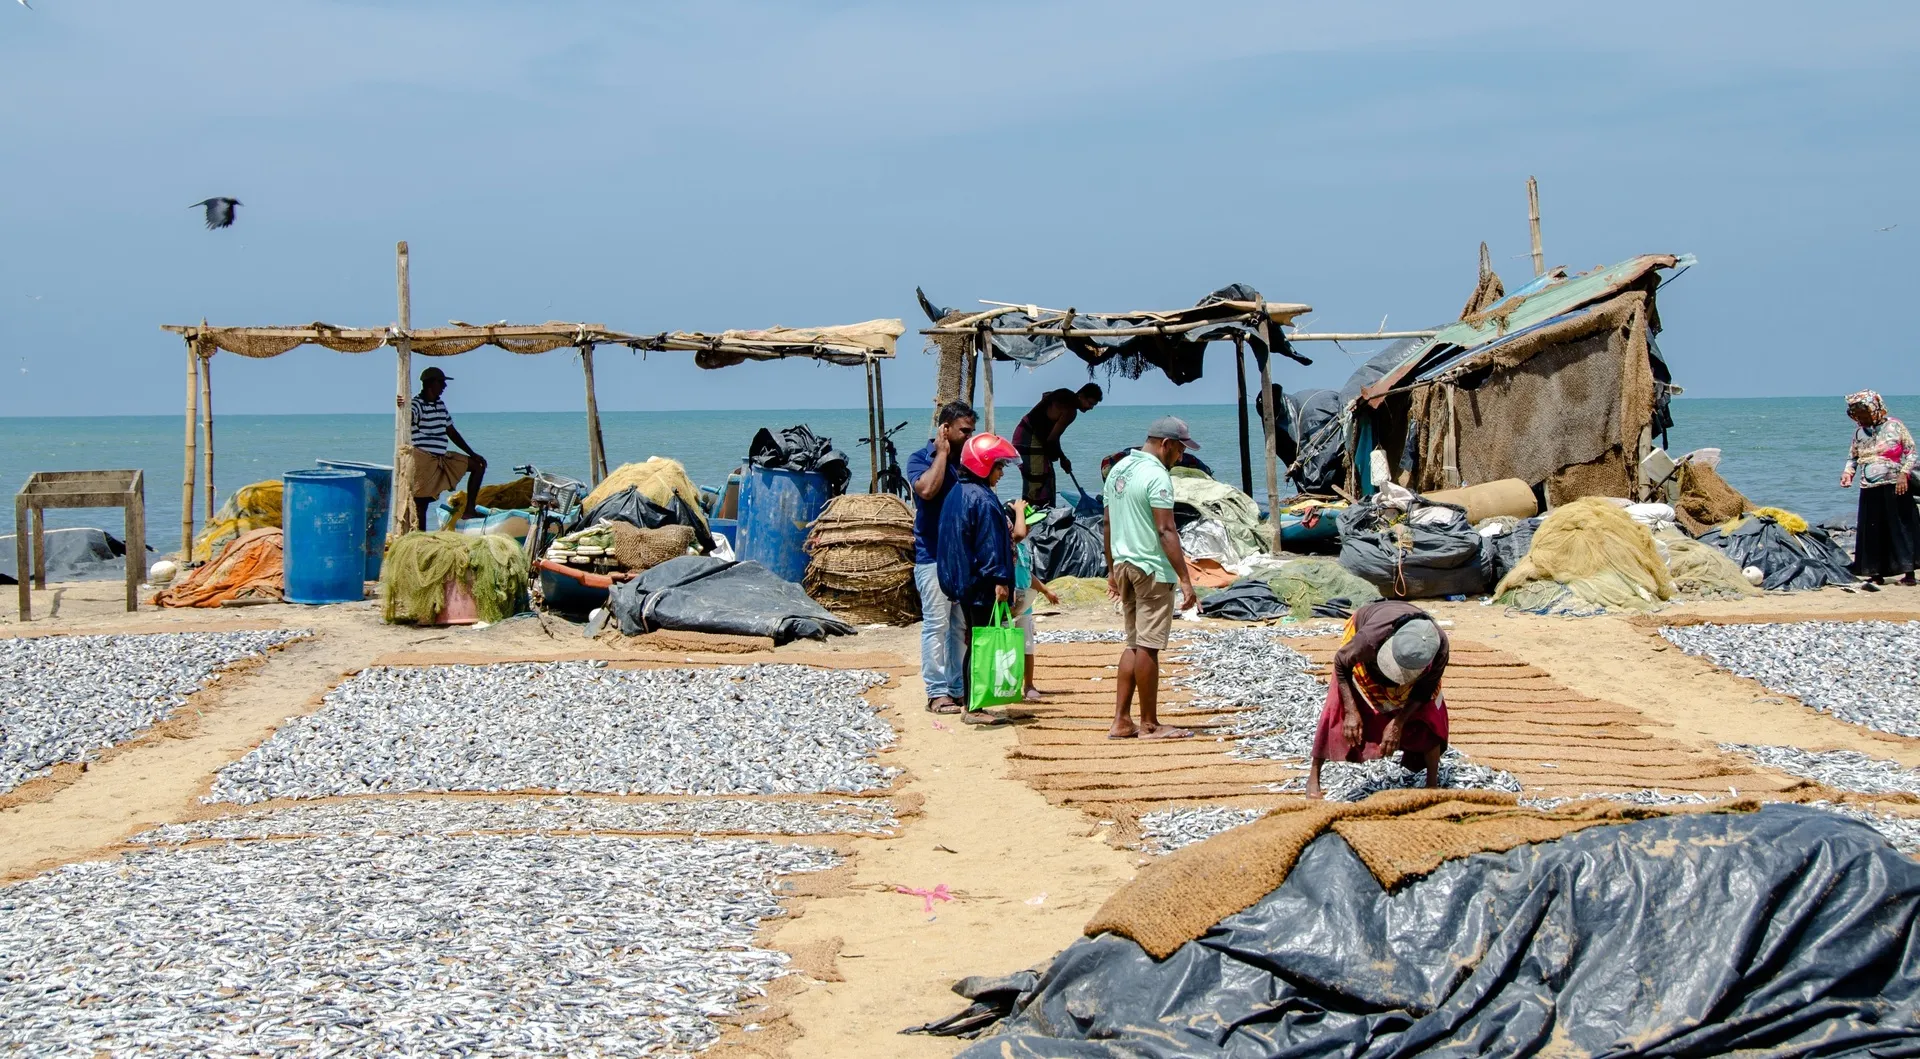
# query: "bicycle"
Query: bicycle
{"points": [[892, 480], [553, 496]]}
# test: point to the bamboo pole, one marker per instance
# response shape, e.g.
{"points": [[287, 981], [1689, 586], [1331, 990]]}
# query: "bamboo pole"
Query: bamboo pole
{"points": [[873, 432], [1533, 225], [596, 444], [402, 517], [1273, 461], [206, 425], [986, 359], [880, 398], [1240, 382], [186, 482]]}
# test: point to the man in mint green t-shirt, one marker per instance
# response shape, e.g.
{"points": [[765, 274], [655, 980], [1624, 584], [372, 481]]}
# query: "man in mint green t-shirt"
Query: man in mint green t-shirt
{"points": [[1144, 562]]}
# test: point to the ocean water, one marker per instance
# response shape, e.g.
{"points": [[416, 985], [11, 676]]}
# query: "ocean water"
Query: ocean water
{"points": [[1781, 451]]}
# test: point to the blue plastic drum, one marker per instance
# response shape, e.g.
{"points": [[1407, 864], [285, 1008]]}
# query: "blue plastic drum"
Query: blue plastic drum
{"points": [[324, 517], [777, 508], [379, 489]]}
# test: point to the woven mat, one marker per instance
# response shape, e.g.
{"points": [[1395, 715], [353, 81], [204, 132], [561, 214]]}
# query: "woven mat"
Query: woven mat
{"points": [[1398, 835]]}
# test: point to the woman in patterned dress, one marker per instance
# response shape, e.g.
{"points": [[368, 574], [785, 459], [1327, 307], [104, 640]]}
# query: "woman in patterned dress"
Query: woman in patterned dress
{"points": [[1887, 537]]}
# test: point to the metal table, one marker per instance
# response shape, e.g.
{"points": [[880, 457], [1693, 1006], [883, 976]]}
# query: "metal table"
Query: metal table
{"points": [[59, 489]]}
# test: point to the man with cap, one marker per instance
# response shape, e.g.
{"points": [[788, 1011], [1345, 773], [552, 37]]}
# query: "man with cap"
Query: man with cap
{"points": [[435, 470], [1385, 695], [1144, 563]]}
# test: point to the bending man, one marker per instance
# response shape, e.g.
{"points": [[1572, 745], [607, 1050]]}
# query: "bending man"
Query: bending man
{"points": [[1037, 437], [1144, 562], [1385, 695]]}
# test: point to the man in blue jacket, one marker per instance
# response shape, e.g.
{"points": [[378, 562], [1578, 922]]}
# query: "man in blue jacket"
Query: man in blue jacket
{"points": [[975, 563]]}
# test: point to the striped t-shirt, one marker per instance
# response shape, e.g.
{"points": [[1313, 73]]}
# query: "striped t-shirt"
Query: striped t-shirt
{"points": [[430, 422]]}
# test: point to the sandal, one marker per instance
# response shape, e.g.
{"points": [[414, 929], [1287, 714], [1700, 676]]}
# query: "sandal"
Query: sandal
{"points": [[985, 718], [942, 704]]}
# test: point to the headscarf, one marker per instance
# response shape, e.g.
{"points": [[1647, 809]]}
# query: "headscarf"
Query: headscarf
{"points": [[1869, 400]]}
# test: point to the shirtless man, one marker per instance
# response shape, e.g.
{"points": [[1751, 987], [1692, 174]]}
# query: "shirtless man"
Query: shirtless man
{"points": [[1037, 437]]}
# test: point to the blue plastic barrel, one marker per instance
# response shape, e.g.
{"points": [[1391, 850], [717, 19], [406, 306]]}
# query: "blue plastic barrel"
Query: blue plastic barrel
{"points": [[726, 527], [324, 517], [776, 509], [379, 489]]}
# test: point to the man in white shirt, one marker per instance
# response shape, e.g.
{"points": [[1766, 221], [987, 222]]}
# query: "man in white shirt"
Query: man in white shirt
{"points": [[435, 470]]}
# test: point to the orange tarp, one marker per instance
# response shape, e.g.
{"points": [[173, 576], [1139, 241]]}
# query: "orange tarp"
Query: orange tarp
{"points": [[248, 568]]}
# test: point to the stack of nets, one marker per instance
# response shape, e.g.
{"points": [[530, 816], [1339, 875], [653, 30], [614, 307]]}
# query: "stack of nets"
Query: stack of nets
{"points": [[635, 548], [862, 560], [1598, 553], [251, 507], [413, 580]]}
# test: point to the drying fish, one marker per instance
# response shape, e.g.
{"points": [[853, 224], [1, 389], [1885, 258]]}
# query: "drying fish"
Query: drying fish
{"points": [[1864, 672]]}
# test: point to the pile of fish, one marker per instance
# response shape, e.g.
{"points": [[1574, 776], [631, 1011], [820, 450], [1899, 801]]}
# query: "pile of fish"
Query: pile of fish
{"points": [[485, 945], [576, 727], [1865, 672], [68, 697], [1846, 770], [1079, 636], [1342, 781], [408, 817], [1164, 831], [1646, 796]]}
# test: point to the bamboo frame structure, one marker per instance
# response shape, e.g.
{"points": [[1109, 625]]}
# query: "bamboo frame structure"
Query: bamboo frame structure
{"points": [[1533, 225], [865, 344]]}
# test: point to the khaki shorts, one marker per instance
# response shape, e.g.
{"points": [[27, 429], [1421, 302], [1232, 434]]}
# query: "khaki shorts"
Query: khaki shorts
{"points": [[433, 475], [1148, 605]]}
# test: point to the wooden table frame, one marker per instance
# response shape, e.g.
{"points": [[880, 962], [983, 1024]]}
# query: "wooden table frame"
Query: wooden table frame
{"points": [[66, 489]]}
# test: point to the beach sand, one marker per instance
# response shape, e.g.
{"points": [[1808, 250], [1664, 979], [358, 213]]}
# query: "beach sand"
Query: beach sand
{"points": [[1027, 873]]}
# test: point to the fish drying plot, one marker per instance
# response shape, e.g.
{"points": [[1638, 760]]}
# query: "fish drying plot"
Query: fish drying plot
{"points": [[576, 727], [1863, 672], [483, 945], [410, 817], [69, 697]]}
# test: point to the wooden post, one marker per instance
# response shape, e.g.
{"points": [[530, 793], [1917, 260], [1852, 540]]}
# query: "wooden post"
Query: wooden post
{"points": [[880, 401], [21, 558], [206, 421], [1273, 461], [39, 549], [596, 444], [1533, 225], [402, 517], [1240, 381], [136, 538], [186, 483], [986, 357], [873, 430]]}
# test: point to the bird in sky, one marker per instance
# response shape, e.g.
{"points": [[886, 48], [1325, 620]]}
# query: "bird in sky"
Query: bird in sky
{"points": [[1888, 228], [23, 3], [219, 212]]}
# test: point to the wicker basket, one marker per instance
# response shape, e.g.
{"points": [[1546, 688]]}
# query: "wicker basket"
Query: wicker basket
{"points": [[861, 565]]}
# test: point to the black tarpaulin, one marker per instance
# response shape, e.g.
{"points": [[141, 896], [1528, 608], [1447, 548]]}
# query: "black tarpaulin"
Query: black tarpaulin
{"points": [[1067, 544], [1788, 933], [699, 593], [1792, 562], [1177, 354]]}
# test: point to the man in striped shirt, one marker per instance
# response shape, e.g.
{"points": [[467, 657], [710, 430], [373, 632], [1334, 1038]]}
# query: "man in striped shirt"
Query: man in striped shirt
{"points": [[435, 470]]}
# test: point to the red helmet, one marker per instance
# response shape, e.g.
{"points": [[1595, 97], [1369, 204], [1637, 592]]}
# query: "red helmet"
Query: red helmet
{"points": [[983, 451]]}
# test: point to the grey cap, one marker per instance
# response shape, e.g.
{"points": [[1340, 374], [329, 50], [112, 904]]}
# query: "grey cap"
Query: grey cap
{"points": [[1409, 651], [1172, 427]]}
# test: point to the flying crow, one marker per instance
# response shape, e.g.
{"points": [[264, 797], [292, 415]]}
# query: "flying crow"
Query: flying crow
{"points": [[219, 212]]}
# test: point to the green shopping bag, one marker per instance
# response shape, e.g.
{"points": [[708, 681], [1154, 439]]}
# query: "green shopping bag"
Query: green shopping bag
{"points": [[998, 673]]}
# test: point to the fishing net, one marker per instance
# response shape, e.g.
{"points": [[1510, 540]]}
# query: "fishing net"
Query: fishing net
{"points": [[1080, 591], [418, 566], [658, 479], [1701, 571], [251, 507], [1788, 521], [1598, 551], [643, 549], [861, 559], [1304, 584]]}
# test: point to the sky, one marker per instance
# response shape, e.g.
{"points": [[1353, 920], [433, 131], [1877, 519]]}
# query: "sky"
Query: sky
{"points": [[699, 166]]}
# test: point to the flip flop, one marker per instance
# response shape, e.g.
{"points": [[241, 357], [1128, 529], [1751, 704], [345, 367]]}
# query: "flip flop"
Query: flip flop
{"points": [[1135, 734], [1167, 731]]}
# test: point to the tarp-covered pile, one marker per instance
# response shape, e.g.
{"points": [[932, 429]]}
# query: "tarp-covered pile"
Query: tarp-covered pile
{"points": [[1066, 544], [699, 593], [649, 494], [1593, 549], [1592, 930], [860, 563], [1420, 551], [249, 569], [419, 567], [1791, 555], [80, 554]]}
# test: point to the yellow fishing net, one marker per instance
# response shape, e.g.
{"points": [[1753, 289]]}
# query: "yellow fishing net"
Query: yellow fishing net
{"points": [[516, 495], [251, 507], [658, 479], [413, 579], [1597, 550], [1788, 521]]}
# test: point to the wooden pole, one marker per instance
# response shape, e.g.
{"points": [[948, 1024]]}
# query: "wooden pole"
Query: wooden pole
{"points": [[1240, 381], [193, 430], [596, 444], [880, 400], [1273, 461], [986, 358], [402, 518], [1533, 225], [136, 537], [206, 426], [873, 431]]}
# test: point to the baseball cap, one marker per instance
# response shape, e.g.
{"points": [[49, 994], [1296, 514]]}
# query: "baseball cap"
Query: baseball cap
{"points": [[1172, 427], [1409, 651], [434, 373]]}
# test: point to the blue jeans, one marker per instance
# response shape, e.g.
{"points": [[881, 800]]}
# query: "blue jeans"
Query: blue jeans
{"points": [[943, 636]]}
